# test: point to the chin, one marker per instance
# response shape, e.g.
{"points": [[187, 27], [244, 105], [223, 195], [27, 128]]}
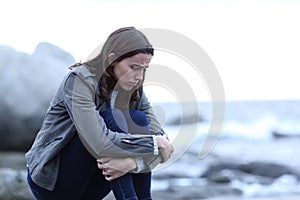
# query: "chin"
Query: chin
{"points": [[127, 88]]}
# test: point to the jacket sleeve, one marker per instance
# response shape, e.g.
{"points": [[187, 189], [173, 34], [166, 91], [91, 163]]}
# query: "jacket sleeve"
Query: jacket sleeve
{"points": [[98, 139], [147, 163]]}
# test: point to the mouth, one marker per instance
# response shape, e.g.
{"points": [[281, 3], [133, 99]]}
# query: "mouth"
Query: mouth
{"points": [[133, 84]]}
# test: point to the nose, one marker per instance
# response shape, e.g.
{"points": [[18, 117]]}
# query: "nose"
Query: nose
{"points": [[139, 75]]}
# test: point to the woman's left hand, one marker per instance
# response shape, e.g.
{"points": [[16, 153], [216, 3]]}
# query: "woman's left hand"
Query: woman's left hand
{"points": [[116, 167]]}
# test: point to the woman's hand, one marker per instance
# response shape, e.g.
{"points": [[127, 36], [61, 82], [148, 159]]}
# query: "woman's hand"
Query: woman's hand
{"points": [[165, 147], [116, 167]]}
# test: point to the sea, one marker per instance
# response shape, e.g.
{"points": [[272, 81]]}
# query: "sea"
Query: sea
{"points": [[273, 125], [251, 120]]}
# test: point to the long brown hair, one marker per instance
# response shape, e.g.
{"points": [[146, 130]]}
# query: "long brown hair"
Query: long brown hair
{"points": [[124, 42]]}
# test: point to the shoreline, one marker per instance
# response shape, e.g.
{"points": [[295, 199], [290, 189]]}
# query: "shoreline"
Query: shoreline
{"points": [[188, 184]]}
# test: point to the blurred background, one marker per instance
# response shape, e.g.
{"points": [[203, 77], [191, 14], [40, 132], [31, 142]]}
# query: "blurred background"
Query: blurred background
{"points": [[254, 46]]}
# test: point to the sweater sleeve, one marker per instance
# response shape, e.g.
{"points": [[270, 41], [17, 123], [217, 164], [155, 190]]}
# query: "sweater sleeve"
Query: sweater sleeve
{"points": [[79, 95]]}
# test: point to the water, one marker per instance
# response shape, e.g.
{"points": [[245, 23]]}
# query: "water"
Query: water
{"points": [[259, 119], [244, 119], [247, 134]]}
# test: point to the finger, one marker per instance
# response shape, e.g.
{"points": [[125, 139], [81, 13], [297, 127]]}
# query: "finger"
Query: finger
{"points": [[163, 159], [109, 178], [165, 155], [99, 161], [114, 175], [103, 166], [100, 164], [106, 172], [166, 136], [103, 160]]}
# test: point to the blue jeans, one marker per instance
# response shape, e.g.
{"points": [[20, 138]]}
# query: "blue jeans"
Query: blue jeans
{"points": [[129, 186], [80, 179]]}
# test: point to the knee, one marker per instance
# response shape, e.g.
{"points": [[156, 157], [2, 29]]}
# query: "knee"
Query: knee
{"points": [[115, 120], [139, 117]]}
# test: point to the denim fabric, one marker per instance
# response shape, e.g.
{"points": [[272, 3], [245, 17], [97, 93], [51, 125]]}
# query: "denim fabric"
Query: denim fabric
{"points": [[78, 178], [129, 121], [129, 186], [132, 187]]}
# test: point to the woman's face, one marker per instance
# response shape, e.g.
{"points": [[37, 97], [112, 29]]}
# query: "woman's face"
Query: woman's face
{"points": [[130, 71]]}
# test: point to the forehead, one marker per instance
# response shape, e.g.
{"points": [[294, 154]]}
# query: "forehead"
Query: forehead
{"points": [[140, 58]]}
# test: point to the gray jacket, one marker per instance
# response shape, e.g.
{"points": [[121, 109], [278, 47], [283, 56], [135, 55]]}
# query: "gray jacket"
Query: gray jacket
{"points": [[75, 109]]}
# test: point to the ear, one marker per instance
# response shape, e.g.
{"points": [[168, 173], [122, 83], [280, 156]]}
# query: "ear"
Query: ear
{"points": [[111, 57]]}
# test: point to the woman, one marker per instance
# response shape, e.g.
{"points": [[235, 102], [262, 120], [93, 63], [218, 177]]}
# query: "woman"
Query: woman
{"points": [[75, 154]]}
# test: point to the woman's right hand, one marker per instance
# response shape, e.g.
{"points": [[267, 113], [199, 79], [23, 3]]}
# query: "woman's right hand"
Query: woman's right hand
{"points": [[165, 147]]}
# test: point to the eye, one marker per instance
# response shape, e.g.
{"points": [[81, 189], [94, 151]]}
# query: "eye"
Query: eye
{"points": [[138, 68], [135, 67]]}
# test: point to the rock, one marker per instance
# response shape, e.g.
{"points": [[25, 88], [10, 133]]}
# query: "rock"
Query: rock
{"points": [[271, 170], [13, 160], [186, 119], [196, 192], [286, 129], [189, 161], [217, 167], [13, 185], [227, 176], [278, 135], [27, 84], [263, 172]]}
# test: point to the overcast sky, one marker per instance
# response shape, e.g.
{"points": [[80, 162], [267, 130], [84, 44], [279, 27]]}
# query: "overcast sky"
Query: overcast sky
{"points": [[254, 44]]}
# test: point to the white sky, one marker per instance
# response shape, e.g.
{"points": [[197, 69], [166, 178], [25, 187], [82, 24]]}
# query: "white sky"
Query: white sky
{"points": [[254, 44]]}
